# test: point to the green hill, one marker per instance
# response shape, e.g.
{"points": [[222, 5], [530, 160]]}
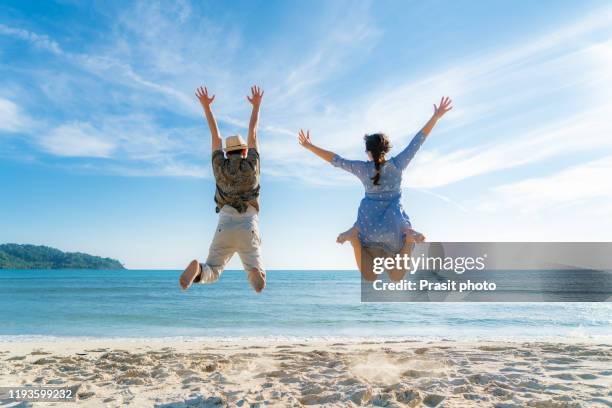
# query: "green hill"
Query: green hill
{"points": [[15, 256]]}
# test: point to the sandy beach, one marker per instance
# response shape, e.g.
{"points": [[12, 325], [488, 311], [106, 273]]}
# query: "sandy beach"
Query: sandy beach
{"points": [[145, 373]]}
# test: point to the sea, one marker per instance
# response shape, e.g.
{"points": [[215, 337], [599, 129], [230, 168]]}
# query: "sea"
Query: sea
{"points": [[300, 305]]}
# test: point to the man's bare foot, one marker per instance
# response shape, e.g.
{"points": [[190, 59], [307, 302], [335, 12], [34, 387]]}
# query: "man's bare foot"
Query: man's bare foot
{"points": [[257, 279], [191, 273], [347, 235]]}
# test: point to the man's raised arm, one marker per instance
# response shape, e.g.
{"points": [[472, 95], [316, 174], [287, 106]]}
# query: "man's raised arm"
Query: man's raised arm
{"points": [[255, 100], [205, 101]]}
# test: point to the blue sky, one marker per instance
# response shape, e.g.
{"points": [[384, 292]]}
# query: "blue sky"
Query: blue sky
{"points": [[103, 147]]}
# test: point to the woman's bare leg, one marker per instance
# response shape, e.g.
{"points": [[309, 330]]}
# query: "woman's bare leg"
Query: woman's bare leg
{"points": [[363, 260], [397, 274], [411, 237]]}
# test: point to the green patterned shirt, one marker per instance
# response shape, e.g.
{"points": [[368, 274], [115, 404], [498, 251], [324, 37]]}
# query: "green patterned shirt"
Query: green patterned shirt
{"points": [[237, 180]]}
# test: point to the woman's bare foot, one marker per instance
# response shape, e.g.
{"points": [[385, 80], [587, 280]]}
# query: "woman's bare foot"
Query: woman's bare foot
{"points": [[347, 235], [413, 236], [191, 273], [257, 279], [418, 237]]}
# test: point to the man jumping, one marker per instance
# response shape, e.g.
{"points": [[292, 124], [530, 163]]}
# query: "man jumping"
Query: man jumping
{"points": [[237, 198]]}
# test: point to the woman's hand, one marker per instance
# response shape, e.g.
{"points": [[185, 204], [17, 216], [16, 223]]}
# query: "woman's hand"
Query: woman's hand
{"points": [[304, 139], [445, 106], [202, 94], [439, 111], [256, 96]]}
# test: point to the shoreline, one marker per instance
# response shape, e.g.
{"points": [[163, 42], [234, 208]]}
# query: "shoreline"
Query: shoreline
{"points": [[314, 339], [449, 373]]}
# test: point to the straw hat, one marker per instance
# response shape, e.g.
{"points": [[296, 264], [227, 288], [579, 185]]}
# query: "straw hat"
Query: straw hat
{"points": [[234, 143]]}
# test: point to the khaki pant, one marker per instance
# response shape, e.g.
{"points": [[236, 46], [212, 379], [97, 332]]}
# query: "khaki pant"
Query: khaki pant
{"points": [[236, 232]]}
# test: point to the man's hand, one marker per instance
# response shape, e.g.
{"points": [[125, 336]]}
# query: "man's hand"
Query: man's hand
{"points": [[202, 94], [256, 96], [304, 139], [445, 106], [255, 100], [206, 101]]}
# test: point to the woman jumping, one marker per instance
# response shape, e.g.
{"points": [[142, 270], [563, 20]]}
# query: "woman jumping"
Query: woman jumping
{"points": [[381, 221]]}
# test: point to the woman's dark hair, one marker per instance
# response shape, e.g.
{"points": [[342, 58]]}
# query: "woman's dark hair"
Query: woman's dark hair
{"points": [[378, 144]]}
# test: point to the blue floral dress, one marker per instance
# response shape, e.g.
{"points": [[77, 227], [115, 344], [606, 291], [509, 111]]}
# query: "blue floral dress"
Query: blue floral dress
{"points": [[381, 219]]}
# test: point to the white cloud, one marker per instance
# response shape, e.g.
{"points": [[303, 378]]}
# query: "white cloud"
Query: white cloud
{"points": [[346, 44], [41, 41], [133, 145], [145, 64], [163, 168], [494, 84], [77, 139], [589, 182], [12, 119], [498, 95], [591, 131]]}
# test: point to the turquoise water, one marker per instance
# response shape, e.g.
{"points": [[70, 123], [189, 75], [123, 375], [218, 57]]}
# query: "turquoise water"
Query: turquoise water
{"points": [[298, 304]]}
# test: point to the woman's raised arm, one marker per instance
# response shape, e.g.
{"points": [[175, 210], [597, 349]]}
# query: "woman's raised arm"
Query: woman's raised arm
{"points": [[304, 140], [357, 167], [439, 111], [405, 156]]}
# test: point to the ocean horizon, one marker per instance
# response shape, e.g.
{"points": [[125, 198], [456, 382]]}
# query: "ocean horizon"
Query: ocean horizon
{"points": [[296, 304]]}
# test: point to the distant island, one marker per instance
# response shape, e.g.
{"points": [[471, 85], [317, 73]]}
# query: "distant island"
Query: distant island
{"points": [[15, 256]]}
